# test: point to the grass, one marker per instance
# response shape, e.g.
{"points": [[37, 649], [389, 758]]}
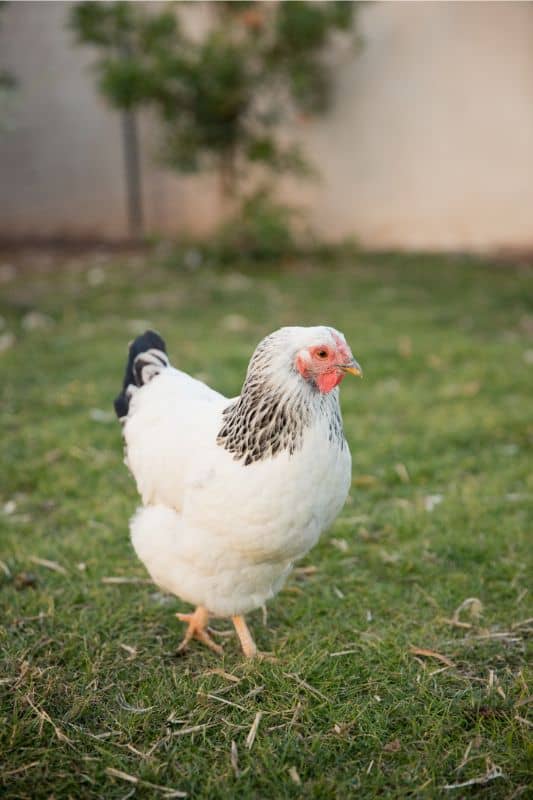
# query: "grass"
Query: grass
{"points": [[95, 702]]}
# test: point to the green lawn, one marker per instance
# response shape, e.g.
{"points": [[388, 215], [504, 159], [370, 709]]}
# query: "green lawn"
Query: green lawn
{"points": [[95, 702]]}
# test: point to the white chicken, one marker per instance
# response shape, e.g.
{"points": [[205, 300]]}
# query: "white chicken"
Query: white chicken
{"points": [[234, 491]]}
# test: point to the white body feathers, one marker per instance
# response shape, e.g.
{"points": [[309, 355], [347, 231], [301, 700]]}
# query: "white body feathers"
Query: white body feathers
{"points": [[212, 530]]}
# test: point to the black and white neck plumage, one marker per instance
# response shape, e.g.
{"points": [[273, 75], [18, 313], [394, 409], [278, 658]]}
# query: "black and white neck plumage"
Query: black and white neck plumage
{"points": [[278, 403]]}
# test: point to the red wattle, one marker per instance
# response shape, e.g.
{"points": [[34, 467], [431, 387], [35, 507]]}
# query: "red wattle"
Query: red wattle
{"points": [[328, 380]]}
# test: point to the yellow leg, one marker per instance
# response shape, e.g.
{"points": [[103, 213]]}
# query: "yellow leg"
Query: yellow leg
{"points": [[247, 643], [197, 630]]}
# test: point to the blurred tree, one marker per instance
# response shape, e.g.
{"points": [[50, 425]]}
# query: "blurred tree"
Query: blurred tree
{"points": [[7, 85], [112, 27], [221, 98]]}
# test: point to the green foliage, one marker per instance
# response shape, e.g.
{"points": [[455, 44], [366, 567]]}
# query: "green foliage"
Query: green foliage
{"points": [[220, 99], [103, 24], [302, 32], [347, 709], [301, 27], [205, 104], [7, 79], [260, 232], [124, 82], [126, 37], [278, 159]]}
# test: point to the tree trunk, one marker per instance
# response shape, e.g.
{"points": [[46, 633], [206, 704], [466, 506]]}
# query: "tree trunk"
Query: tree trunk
{"points": [[228, 179], [133, 173]]}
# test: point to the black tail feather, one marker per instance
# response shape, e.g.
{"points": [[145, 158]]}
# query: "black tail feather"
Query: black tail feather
{"points": [[147, 356]]}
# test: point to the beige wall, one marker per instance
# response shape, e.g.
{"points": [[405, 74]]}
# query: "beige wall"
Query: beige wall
{"points": [[429, 144]]}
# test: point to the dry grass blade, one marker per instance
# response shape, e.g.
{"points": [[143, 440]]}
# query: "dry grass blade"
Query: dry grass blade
{"points": [[455, 623], [295, 715], [343, 653], [340, 544], [223, 674], [133, 749], [25, 768], [422, 651], [223, 700], [234, 756], [310, 570], [45, 717], [119, 579], [505, 636], [125, 776], [493, 772], [474, 606], [223, 634], [193, 729], [53, 565], [5, 569], [253, 692], [97, 736], [132, 651], [470, 641], [438, 671], [525, 701], [402, 473], [295, 778], [250, 739], [306, 685], [393, 746], [466, 754], [524, 623], [133, 709]]}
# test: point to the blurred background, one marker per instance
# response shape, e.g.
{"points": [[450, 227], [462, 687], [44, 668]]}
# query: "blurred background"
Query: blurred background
{"points": [[399, 125]]}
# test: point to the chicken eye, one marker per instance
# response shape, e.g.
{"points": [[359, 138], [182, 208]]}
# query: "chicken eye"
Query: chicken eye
{"points": [[322, 353]]}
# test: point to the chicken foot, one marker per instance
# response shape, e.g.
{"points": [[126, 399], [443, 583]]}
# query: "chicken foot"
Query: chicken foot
{"points": [[245, 637], [197, 630]]}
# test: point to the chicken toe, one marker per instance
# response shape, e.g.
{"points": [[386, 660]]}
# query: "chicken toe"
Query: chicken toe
{"points": [[197, 629]]}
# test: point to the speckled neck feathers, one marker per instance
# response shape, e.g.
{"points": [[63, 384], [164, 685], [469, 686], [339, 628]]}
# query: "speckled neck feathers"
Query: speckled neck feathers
{"points": [[275, 409]]}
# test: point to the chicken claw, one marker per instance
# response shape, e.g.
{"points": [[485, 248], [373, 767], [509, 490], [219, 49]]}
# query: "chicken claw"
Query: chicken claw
{"points": [[197, 630]]}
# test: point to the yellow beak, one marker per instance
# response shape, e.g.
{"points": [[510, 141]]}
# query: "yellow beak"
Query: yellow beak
{"points": [[353, 368]]}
